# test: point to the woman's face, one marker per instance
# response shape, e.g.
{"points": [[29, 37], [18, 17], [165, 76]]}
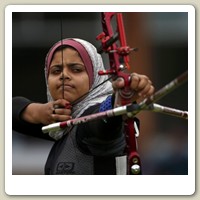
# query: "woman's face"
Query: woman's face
{"points": [[68, 77]]}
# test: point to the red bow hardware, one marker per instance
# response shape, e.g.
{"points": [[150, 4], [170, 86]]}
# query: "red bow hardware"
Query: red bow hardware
{"points": [[114, 43]]}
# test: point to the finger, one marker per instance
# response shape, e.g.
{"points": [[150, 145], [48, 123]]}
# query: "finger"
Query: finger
{"points": [[61, 103], [151, 91], [144, 91], [146, 95], [51, 119], [60, 118], [62, 111], [144, 81], [118, 83], [135, 79]]}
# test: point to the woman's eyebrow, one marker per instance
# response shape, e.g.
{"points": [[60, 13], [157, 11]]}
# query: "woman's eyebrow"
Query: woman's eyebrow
{"points": [[76, 63], [56, 65]]}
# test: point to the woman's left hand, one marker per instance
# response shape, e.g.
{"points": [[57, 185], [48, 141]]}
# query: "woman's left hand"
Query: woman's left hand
{"points": [[140, 84]]}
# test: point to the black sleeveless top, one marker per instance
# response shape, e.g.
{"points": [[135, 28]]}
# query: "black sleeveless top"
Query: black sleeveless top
{"points": [[93, 148]]}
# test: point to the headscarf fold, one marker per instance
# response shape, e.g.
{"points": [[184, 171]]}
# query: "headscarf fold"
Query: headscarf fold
{"points": [[89, 56]]}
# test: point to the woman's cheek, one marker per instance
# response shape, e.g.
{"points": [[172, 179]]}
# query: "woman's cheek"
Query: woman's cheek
{"points": [[52, 88]]}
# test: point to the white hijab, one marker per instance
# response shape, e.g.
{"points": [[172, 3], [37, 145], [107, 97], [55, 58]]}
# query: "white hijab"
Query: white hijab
{"points": [[94, 96]]}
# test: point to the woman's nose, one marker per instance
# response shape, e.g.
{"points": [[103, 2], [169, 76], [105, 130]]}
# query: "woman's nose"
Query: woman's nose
{"points": [[65, 74]]}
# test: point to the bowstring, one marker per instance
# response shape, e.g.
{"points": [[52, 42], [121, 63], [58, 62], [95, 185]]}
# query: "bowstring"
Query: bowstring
{"points": [[63, 86], [61, 36]]}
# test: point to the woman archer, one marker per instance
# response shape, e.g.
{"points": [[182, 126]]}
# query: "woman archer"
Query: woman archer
{"points": [[74, 89]]}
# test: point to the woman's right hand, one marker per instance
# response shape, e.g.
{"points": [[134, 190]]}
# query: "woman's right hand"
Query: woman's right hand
{"points": [[48, 113]]}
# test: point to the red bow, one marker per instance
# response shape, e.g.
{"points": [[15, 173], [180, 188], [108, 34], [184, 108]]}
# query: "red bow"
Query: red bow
{"points": [[114, 43]]}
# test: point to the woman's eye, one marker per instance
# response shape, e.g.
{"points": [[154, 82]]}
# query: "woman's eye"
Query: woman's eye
{"points": [[56, 70], [77, 68]]}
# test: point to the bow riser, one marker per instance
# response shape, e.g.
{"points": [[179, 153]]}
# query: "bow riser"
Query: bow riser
{"points": [[118, 53]]}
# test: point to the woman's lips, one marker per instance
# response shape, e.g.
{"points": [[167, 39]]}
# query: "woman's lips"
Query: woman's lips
{"points": [[66, 87]]}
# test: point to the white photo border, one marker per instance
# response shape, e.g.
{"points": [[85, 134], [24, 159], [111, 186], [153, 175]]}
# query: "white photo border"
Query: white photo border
{"points": [[96, 185]]}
